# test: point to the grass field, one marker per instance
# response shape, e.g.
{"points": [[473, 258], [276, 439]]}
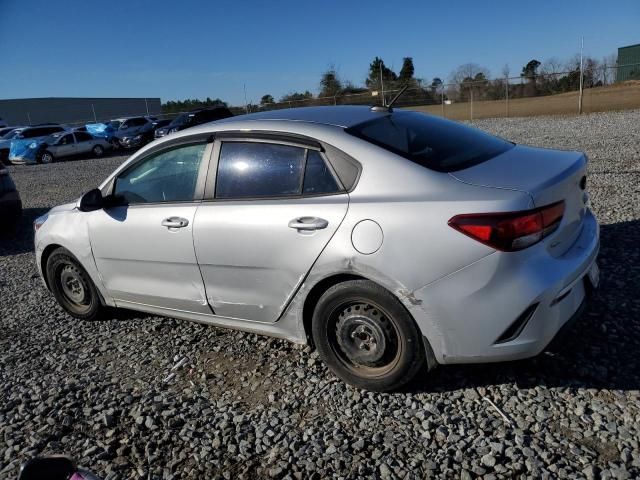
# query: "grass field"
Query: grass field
{"points": [[601, 99]]}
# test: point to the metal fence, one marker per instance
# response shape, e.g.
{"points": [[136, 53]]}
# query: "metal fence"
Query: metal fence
{"points": [[565, 92]]}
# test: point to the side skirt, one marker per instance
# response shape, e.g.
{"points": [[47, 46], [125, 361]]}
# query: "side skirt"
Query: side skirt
{"points": [[289, 330]]}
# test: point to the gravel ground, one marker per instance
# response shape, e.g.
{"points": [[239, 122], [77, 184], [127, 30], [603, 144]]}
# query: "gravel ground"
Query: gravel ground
{"points": [[244, 406]]}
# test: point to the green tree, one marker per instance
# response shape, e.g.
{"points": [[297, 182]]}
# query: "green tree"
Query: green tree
{"points": [[388, 75], [407, 70], [530, 70], [330, 84], [266, 99]]}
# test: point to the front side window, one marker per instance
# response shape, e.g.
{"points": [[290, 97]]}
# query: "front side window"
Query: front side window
{"points": [[66, 140], [254, 169], [168, 176]]}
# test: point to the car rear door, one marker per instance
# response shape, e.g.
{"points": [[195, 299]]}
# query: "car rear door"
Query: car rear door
{"points": [[84, 142], [270, 209], [143, 246]]}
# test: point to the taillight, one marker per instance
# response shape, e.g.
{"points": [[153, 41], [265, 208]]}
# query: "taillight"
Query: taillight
{"points": [[510, 231]]}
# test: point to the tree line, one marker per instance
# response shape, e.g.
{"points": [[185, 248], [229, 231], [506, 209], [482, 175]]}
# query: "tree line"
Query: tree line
{"points": [[535, 78]]}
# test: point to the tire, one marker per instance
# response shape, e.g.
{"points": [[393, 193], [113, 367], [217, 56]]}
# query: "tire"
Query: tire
{"points": [[366, 336], [98, 151], [46, 157], [72, 287]]}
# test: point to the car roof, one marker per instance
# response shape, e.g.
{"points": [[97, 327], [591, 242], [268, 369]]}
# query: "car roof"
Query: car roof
{"points": [[339, 116]]}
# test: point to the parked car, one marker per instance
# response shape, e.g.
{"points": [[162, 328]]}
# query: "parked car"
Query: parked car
{"points": [[159, 125], [391, 240], [34, 133], [131, 132], [5, 143], [193, 118], [63, 145], [10, 203], [6, 130]]}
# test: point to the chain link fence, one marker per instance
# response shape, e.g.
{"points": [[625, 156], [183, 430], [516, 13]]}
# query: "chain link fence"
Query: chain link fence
{"points": [[552, 93]]}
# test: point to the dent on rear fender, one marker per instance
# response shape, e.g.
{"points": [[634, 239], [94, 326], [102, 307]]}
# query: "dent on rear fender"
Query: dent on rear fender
{"points": [[354, 265]]}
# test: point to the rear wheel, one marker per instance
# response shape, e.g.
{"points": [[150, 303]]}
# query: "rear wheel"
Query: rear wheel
{"points": [[367, 337], [72, 287], [98, 151]]}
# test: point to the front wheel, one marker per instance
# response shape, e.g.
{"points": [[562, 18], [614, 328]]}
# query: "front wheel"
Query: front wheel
{"points": [[98, 151], [47, 157], [72, 287], [366, 336]]}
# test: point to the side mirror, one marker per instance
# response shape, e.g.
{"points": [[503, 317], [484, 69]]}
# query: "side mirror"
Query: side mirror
{"points": [[54, 468], [90, 201]]}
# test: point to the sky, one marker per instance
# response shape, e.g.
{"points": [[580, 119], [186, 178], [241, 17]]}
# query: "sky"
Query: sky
{"points": [[197, 49]]}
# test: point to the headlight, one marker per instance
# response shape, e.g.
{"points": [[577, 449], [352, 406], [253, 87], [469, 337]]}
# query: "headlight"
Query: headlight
{"points": [[38, 222], [33, 145]]}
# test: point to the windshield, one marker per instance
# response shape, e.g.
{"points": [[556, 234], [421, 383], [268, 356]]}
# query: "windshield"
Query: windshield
{"points": [[429, 141], [11, 134], [115, 124]]}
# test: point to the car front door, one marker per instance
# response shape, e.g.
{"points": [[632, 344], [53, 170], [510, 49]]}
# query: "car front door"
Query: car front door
{"points": [[263, 223], [143, 246], [66, 146]]}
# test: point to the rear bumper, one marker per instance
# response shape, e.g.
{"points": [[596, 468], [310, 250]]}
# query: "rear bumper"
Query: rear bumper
{"points": [[474, 307]]}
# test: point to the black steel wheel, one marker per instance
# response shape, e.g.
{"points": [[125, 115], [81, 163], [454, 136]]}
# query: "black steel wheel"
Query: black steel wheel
{"points": [[367, 337], [71, 286]]}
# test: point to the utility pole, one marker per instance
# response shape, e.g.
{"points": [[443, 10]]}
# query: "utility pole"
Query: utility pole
{"points": [[506, 91], [95, 119], [246, 105], [382, 84], [581, 77]]}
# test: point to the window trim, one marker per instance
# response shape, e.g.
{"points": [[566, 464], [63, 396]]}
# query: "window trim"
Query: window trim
{"points": [[273, 139], [200, 181]]}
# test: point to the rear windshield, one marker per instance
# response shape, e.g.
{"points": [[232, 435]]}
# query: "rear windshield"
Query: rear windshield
{"points": [[432, 142]]}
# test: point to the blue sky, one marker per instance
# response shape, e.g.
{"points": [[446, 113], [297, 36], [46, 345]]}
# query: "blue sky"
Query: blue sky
{"points": [[194, 49]]}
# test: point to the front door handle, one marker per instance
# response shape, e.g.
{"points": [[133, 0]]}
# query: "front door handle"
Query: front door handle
{"points": [[175, 222], [308, 223]]}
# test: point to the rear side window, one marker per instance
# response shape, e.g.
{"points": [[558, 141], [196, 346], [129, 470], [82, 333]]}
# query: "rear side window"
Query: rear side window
{"points": [[432, 142], [254, 169], [40, 131], [318, 179], [83, 137]]}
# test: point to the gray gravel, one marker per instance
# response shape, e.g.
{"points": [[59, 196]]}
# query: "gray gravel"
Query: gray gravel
{"points": [[243, 406]]}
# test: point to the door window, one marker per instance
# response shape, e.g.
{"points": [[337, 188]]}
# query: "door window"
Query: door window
{"points": [[168, 176], [83, 137], [318, 179], [66, 140], [253, 169]]}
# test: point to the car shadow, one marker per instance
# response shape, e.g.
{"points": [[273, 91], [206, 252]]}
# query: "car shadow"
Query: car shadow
{"points": [[20, 240], [600, 350]]}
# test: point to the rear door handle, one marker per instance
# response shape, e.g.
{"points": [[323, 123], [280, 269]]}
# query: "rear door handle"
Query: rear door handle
{"points": [[308, 223], [175, 222]]}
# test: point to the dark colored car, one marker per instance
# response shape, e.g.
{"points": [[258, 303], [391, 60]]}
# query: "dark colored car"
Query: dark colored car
{"points": [[159, 125], [10, 203], [193, 118]]}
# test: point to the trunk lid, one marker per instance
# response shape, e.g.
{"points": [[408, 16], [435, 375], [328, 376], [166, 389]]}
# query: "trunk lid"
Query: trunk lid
{"points": [[548, 176]]}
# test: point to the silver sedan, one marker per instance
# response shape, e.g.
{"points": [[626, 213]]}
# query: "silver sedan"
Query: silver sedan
{"points": [[68, 144], [392, 241]]}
